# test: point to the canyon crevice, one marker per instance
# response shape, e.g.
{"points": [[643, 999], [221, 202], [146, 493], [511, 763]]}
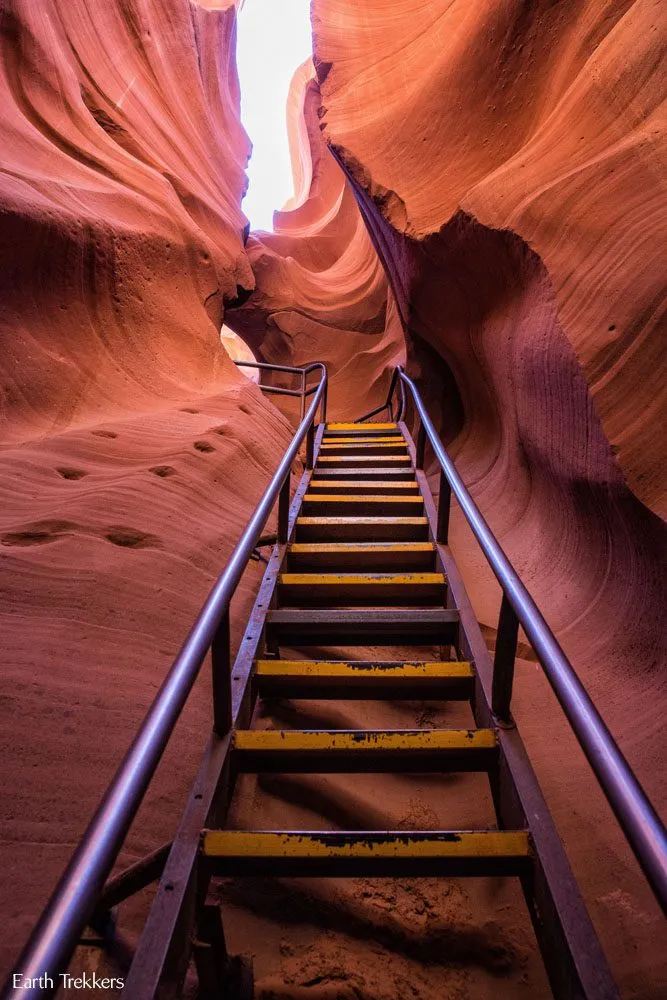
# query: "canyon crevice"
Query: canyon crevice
{"points": [[479, 194]]}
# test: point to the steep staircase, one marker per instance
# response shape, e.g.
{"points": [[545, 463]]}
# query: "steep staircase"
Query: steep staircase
{"points": [[362, 572], [362, 568], [361, 562]]}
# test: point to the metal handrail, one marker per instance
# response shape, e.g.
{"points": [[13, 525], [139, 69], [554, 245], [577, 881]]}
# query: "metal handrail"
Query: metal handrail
{"points": [[72, 903], [278, 390], [637, 817]]}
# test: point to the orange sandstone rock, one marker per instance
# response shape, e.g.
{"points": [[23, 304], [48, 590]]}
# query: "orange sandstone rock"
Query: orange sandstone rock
{"points": [[122, 235], [321, 291]]}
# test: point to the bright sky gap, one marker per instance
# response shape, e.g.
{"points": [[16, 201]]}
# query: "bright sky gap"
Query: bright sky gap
{"points": [[274, 38]]}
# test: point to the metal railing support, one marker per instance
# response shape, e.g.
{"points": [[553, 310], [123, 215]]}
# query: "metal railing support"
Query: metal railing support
{"points": [[421, 446], [221, 665], [283, 512], [444, 506], [302, 392], [504, 659]]}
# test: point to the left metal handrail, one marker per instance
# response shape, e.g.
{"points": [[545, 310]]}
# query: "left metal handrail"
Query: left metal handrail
{"points": [[73, 902]]}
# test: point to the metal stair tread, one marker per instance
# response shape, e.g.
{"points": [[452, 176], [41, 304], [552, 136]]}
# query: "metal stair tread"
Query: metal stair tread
{"points": [[360, 428], [370, 853], [406, 579], [352, 668], [363, 740]]}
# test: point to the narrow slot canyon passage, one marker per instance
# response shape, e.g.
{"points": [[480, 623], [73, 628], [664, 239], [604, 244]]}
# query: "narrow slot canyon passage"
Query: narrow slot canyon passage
{"points": [[324, 322]]}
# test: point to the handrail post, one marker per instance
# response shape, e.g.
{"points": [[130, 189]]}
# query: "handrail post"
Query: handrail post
{"points": [[221, 663], [421, 446], [323, 408], [302, 411], [444, 505], [503, 662], [310, 446], [283, 512]]}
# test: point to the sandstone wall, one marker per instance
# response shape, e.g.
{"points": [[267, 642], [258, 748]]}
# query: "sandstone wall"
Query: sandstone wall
{"points": [[321, 292], [122, 234], [509, 161]]}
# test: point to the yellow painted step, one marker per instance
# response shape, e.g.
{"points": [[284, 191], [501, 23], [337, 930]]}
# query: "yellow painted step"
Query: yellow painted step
{"points": [[363, 742], [394, 439], [362, 679], [460, 669], [319, 504], [369, 529], [377, 485], [365, 589], [368, 853], [333, 459], [363, 428], [366, 445], [337, 752], [336, 556], [350, 498]]}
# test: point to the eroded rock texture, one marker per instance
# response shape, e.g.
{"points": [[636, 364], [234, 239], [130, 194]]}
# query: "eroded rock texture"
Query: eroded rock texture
{"points": [[132, 451], [321, 292], [122, 234], [509, 161]]}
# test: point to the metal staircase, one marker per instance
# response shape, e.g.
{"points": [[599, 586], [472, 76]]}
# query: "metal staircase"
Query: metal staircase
{"points": [[361, 560]]}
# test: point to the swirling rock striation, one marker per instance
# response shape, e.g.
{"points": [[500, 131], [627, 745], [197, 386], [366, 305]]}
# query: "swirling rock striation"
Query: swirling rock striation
{"points": [[321, 291], [122, 171], [509, 161]]}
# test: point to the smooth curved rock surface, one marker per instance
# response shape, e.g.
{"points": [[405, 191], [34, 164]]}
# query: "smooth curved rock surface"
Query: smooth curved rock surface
{"points": [[546, 120], [321, 292], [509, 161], [122, 235]]}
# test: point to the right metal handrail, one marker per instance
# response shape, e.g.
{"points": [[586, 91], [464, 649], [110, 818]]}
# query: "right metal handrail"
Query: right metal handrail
{"points": [[639, 821]]}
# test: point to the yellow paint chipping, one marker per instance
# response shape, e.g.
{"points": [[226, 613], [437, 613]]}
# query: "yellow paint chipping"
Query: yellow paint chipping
{"points": [[363, 579], [291, 741], [365, 445], [378, 439], [353, 484], [456, 844], [460, 669], [336, 498], [366, 521], [361, 429], [352, 548], [326, 459]]}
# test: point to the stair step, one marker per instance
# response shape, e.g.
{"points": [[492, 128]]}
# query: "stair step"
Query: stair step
{"points": [[373, 504], [401, 487], [334, 556], [336, 461], [361, 751], [360, 428], [381, 447], [368, 474], [384, 679], [357, 439], [377, 853], [377, 529], [375, 589], [362, 626]]}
